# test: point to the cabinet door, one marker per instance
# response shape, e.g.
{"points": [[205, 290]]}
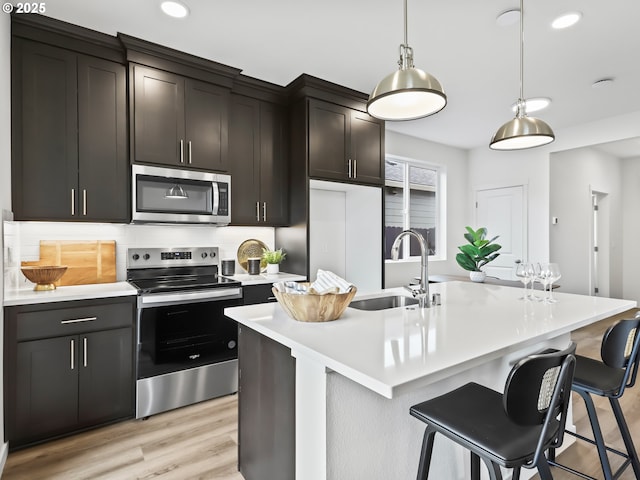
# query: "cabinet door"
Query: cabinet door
{"points": [[106, 376], [244, 156], [158, 112], [273, 166], [207, 108], [45, 145], [328, 140], [46, 396], [102, 141], [367, 134]]}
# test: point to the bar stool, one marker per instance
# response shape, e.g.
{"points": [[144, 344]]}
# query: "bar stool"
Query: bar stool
{"points": [[513, 429], [609, 378]]}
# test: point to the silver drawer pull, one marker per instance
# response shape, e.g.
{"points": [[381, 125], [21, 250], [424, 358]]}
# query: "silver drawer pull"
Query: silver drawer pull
{"points": [[73, 348], [84, 354], [78, 320]]}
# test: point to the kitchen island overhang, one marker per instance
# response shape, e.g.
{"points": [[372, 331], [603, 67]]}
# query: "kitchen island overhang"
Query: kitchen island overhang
{"points": [[368, 367]]}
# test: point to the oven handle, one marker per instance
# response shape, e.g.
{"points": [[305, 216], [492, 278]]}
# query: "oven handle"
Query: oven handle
{"points": [[154, 299]]}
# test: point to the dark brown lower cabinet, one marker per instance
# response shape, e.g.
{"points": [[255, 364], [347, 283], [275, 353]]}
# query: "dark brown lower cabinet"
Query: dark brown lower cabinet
{"points": [[68, 367], [266, 408], [260, 293]]}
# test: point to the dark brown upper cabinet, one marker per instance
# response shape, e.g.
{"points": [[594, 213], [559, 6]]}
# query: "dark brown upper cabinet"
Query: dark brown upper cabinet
{"points": [[179, 121], [258, 162], [344, 144], [69, 135]]}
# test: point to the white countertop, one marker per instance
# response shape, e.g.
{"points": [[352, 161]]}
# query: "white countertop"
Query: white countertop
{"points": [[264, 278], [27, 296], [389, 351]]}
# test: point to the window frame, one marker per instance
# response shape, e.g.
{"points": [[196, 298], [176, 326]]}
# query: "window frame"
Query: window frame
{"points": [[440, 190]]}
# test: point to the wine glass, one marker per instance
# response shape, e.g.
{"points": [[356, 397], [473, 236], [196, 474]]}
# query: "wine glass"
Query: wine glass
{"points": [[524, 275], [535, 271], [553, 272]]}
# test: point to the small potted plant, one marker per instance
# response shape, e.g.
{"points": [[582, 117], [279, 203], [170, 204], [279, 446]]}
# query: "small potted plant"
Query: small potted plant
{"points": [[477, 253], [273, 259]]}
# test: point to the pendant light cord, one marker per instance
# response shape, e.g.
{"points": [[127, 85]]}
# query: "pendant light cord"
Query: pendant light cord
{"points": [[406, 35], [521, 103]]}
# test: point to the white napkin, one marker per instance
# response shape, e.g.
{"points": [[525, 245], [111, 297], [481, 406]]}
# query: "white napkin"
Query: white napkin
{"points": [[329, 282]]}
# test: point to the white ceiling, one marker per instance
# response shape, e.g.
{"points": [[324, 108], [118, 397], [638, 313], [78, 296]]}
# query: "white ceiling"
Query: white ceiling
{"points": [[355, 43]]}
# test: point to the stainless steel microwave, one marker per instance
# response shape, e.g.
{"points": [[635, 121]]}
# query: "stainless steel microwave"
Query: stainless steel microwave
{"points": [[169, 195]]}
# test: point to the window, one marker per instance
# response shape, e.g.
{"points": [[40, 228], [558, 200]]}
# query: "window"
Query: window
{"points": [[411, 201]]}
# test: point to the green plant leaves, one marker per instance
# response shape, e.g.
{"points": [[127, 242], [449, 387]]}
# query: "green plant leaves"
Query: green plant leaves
{"points": [[479, 251]]}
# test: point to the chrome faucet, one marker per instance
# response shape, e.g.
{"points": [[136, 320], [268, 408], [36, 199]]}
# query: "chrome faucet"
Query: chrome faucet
{"points": [[422, 293]]}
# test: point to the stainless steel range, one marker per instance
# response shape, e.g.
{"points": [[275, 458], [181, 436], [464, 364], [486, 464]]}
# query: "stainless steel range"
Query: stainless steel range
{"points": [[187, 349]]}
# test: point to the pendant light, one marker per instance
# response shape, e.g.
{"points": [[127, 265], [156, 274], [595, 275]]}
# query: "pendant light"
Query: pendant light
{"points": [[407, 93], [176, 192], [523, 131]]}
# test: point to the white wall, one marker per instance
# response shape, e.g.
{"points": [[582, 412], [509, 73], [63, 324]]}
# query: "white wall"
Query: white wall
{"points": [[533, 166], [456, 196], [631, 228], [574, 174], [5, 182]]}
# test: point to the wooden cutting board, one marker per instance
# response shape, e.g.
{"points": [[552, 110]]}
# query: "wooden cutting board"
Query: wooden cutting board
{"points": [[87, 261]]}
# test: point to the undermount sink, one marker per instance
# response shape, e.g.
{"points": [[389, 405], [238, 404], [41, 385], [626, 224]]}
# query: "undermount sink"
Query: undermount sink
{"points": [[383, 303]]}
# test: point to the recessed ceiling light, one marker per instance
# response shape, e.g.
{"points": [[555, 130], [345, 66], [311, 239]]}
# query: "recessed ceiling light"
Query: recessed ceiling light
{"points": [[566, 20], [509, 17], [602, 83], [174, 9], [534, 104]]}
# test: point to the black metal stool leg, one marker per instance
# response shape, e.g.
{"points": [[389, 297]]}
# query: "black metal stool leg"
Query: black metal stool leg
{"points": [[516, 474], [626, 436], [425, 454], [494, 469], [543, 468], [475, 467], [597, 434]]}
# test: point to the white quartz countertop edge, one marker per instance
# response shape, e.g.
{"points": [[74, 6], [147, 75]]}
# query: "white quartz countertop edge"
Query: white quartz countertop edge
{"points": [[27, 296], [264, 278], [269, 320]]}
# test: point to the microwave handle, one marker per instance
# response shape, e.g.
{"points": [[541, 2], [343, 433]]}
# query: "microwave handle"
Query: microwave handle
{"points": [[216, 198]]}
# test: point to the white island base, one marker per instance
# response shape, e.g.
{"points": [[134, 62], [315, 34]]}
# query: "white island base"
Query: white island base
{"points": [[357, 377]]}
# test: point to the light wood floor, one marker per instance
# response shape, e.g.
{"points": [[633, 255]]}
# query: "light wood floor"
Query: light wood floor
{"points": [[200, 441]]}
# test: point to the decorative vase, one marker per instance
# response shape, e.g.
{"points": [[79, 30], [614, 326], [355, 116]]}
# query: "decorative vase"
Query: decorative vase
{"points": [[273, 268], [477, 276]]}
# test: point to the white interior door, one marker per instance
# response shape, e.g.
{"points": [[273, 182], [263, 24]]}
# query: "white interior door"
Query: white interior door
{"points": [[503, 212]]}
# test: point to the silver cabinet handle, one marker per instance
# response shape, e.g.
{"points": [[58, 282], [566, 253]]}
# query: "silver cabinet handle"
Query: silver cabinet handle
{"points": [[78, 320], [355, 168], [84, 201], [257, 211], [181, 151], [73, 201], [264, 211], [73, 360], [349, 168], [189, 146], [84, 353]]}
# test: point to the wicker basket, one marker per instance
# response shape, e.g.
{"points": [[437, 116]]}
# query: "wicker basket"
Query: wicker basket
{"points": [[43, 275], [314, 308]]}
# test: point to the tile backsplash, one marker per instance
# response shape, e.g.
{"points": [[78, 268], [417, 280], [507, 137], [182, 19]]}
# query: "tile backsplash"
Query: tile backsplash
{"points": [[22, 240]]}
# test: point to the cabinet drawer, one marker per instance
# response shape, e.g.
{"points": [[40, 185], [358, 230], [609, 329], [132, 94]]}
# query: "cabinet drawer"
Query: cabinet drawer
{"points": [[73, 320], [253, 294]]}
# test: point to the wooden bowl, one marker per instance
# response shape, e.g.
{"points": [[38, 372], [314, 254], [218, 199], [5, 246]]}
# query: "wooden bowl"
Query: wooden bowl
{"points": [[43, 275], [314, 308]]}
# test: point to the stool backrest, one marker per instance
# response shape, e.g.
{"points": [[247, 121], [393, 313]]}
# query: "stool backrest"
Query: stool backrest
{"points": [[620, 345]]}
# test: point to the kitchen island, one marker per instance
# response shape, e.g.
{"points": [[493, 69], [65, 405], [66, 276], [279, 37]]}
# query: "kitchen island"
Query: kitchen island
{"points": [[356, 377]]}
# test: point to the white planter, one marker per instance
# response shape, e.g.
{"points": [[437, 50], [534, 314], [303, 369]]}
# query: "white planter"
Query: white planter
{"points": [[477, 276], [273, 268]]}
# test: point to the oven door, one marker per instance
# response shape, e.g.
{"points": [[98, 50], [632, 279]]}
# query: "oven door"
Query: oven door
{"points": [[184, 331]]}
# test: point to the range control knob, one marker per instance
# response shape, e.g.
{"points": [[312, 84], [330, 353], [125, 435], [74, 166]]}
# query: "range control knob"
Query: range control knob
{"points": [[136, 256], [146, 256], [204, 255], [212, 254]]}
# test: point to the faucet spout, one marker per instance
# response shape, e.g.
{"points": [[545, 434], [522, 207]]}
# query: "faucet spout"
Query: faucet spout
{"points": [[422, 294]]}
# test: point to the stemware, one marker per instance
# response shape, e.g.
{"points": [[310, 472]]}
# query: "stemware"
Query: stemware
{"points": [[553, 273], [535, 270], [524, 275]]}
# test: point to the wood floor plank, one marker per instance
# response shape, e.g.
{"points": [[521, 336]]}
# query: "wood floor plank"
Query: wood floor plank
{"points": [[199, 442]]}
